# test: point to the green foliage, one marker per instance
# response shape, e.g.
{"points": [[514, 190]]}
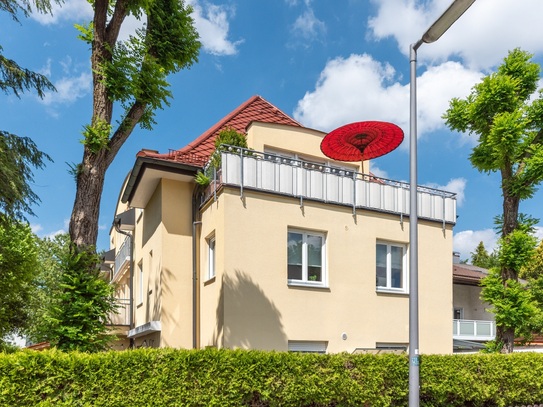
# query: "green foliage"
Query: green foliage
{"points": [[78, 317], [507, 118], [166, 377], [17, 157], [18, 266], [534, 268], [202, 179], [46, 294], [513, 305], [516, 249], [96, 136], [17, 80], [139, 66], [508, 124], [481, 258], [229, 137]]}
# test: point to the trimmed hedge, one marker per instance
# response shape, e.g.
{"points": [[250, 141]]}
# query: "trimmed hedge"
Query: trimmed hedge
{"points": [[167, 377]]}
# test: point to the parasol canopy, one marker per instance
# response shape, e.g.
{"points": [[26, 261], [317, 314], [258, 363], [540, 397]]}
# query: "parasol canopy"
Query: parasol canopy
{"points": [[361, 141]]}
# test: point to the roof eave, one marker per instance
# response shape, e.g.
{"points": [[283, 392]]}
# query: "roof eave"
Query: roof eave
{"points": [[144, 163]]}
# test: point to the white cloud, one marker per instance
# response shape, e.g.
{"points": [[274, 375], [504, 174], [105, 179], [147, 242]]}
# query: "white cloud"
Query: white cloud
{"points": [[482, 36], [70, 10], [38, 230], [455, 185], [466, 241], [378, 172], [308, 26], [69, 89], [211, 22], [360, 88]]}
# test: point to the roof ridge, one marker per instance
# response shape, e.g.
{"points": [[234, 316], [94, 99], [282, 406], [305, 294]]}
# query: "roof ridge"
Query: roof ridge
{"points": [[229, 118], [198, 151]]}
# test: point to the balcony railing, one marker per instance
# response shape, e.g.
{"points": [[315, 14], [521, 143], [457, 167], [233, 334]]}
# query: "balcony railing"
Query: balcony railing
{"points": [[122, 258], [471, 330], [122, 316], [249, 169]]}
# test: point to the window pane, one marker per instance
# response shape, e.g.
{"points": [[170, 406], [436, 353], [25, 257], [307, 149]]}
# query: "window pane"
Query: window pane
{"points": [[397, 266], [294, 272], [314, 273], [295, 246], [314, 250], [381, 259]]}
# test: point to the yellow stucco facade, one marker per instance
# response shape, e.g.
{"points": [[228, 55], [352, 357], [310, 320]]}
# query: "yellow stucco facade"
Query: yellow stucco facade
{"points": [[245, 293]]}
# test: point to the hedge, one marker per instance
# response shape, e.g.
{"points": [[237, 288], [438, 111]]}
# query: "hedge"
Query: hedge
{"points": [[167, 377]]}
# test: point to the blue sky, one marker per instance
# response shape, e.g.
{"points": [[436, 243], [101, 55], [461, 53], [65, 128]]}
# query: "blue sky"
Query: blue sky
{"points": [[324, 63]]}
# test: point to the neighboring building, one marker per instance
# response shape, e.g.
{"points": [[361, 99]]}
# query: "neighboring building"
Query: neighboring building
{"points": [[285, 250], [473, 324]]}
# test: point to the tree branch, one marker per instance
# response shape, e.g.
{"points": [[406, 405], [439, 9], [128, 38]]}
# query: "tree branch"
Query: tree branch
{"points": [[124, 130]]}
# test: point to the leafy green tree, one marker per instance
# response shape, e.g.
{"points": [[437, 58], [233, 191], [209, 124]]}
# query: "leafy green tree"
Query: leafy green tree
{"points": [[18, 266], [481, 258], [131, 75], [47, 288], [509, 124], [78, 318]]}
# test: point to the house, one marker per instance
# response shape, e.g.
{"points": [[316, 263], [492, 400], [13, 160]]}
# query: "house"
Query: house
{"points": [[473, 324], [285, 249]]}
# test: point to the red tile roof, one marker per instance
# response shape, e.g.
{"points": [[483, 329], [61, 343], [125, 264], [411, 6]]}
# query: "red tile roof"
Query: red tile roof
{"points": [[198, 151], [468, 274]]}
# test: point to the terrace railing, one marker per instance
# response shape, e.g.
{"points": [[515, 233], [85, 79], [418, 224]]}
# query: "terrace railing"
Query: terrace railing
{"points": [[471, 330], [248, 169]]}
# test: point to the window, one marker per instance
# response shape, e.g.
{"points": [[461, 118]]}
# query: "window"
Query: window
{"points": [[140, 282], [211, 257], [306, 258], [458, 313], [391, 267], [307, 346]]}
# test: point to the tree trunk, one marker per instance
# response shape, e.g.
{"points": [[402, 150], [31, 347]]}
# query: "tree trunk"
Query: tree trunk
{"points": [[86, 210], [504, 334], [506, 337]]}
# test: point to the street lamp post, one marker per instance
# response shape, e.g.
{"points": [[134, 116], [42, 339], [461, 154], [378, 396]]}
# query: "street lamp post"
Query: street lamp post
{"points": [[436, 30]]}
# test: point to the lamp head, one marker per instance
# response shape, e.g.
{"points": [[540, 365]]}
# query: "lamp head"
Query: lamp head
{"points": [[443, 23]]}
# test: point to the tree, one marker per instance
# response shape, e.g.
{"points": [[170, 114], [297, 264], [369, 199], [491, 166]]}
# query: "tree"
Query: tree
{"points": [[131, 74], [71, 302], [509, 126], [481, 258], [47, 288], [19, 154], [79, 316], [18, 266]]}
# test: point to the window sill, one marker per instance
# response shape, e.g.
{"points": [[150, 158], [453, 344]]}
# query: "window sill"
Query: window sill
{"points": [[381, 290], [304, 284], [139, 305], [209, 281]]}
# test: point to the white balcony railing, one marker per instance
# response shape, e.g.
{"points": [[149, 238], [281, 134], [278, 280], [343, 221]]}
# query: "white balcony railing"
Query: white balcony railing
{"points": [[122, 315], [471, 330], [249, 169], [122, 258]]}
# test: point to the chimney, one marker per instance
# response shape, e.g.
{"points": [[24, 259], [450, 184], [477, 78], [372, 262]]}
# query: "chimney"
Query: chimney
{"points": [[456, 257]]}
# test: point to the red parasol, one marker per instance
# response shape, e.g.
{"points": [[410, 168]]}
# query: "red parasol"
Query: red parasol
{"points": [[361, 141]]}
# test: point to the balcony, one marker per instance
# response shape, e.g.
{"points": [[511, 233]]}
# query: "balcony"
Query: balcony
{"points": [[122, 316], [122, 259], [303, 180], [470, 330]]}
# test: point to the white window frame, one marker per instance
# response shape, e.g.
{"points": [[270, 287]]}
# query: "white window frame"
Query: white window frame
{"points": [[405, 274], [324, 269], [211, 257]]}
